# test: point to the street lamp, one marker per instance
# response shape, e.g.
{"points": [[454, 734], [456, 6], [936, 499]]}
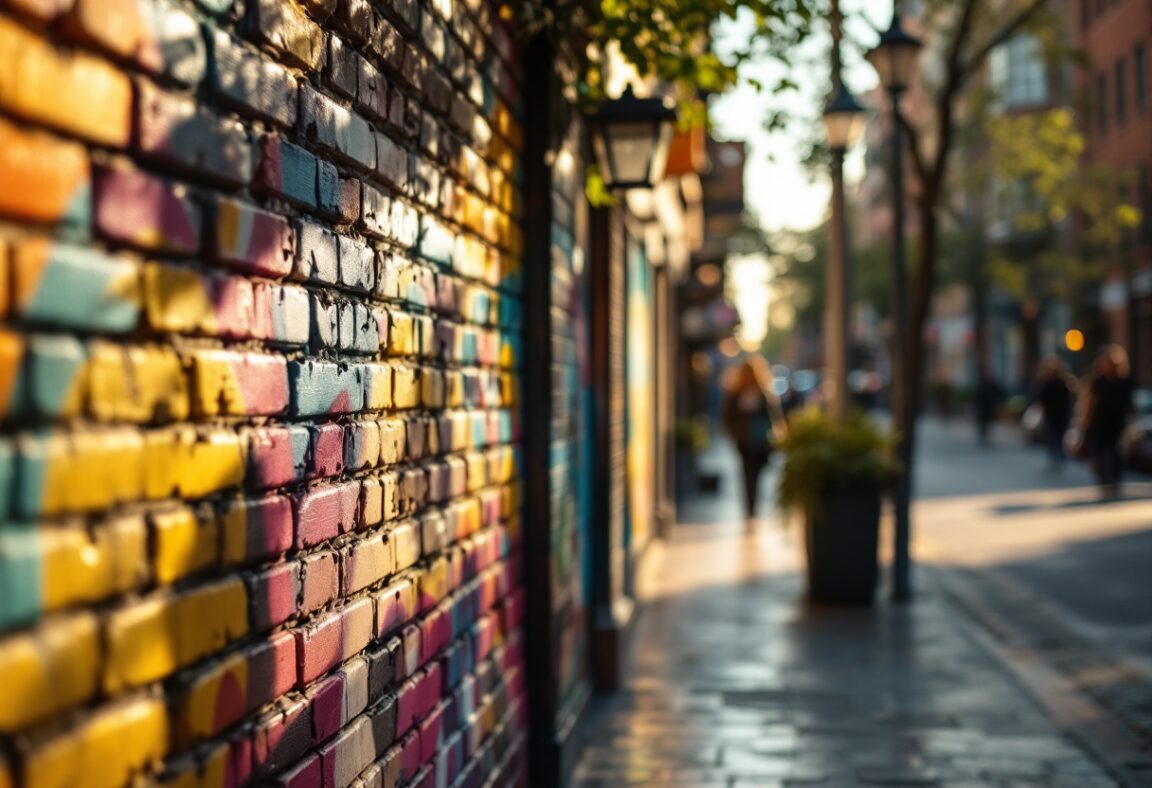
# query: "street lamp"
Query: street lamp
{"points": [[894, 59], [631, 137], [843, 122]]}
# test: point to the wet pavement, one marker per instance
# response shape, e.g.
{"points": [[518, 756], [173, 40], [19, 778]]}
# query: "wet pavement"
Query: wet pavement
{"points": [[736, 681]]}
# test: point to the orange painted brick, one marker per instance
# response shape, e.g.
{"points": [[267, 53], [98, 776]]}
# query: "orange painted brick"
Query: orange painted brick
{"points": [[142, 643], [86, 564], [75, 93], [137, 384], [11, 356], [48, 670], [210, 617], [111, 748], [183, 544], [115, 25], [44, 177]]}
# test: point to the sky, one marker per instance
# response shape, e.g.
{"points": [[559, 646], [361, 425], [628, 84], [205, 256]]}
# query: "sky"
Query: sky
{"points": [[777, 189]]}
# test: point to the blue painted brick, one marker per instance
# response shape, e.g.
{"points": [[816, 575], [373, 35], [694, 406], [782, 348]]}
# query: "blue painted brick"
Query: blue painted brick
{"points": [[285, 170], [52, 366], [19, 574], [322, 387], [325, 322]]}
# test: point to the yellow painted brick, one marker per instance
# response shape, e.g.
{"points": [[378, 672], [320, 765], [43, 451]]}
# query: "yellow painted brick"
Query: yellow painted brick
{"points": [[91, 470], [209, 771], [453, 388], [183, 544], [73, 92], [142, 643], [378, 388], [137, 384], [210, 617], [181, 461], [176, 300], [48, 670], [198, 709], [405, 387], [401, 336], [432, 389], [111, 748], [89, 564], [477, 470]]}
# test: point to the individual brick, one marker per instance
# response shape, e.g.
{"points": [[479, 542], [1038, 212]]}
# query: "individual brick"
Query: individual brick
{"points": [[256, 529], [381, 675], [391, 162], [226, 383], [45, 178], [327, 455], [405, 384], [55, 379], [333, 639], [305, 774], [83, 471], [119, 742], [327, 699], [182, 544], [317, 253], [393, 438], [371, 90], [176, 131], [328, 125], [281, 737], [273, 596], [396, 605], [277, 456], [283, 25], [365, 562], [365, 333], [357, 264], [136, 209], [325, 322], [320, 388], [253, 240], [378, 377], [74, 93], [246, 80], [75, 287], [157, 34], [320, 580], [281, 313], [324, 512], [341, 68], [406, 539], [180, 461], [339, 198], [87, 564], [285, 170], [211, 616], [350, 753], [361, 445], [48, 670], [141, 644], [371, 502]]}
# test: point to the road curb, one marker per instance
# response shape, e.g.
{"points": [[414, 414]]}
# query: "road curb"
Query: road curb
{"points": [[1124, 752]]}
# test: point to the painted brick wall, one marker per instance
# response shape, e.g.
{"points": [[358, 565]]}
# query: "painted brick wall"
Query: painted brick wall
{"points": [[258, 380]]}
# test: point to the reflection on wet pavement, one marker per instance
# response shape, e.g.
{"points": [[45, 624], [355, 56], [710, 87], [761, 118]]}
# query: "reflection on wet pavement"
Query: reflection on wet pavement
{"points": [[735, 681]]}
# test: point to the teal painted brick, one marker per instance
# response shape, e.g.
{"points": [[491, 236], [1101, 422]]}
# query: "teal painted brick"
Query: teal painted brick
{"points": [[320, 387], [7, 477], [51, 368], [85, 289], [19, 574]]}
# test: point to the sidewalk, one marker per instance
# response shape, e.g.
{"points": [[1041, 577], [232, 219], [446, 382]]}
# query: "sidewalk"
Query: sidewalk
{"points": [[736, 682]]}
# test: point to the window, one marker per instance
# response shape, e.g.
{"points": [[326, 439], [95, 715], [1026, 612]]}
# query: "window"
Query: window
{"points": [[1121, 82], [1018, 72], [1140, 65], [1102, 102]]}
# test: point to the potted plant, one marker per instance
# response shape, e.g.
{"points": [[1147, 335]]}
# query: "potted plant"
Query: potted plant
{"points": [[835, 474]]}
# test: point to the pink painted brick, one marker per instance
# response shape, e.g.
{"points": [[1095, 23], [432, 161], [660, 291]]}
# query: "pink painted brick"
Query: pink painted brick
{"points": [[327, 699], [238, 769], [431, 728], [406, 705], [258, 528], [429, 688], [280, 737], [271, 669], [327, 455], [435, 632], [409, 756], [319, 646], [234, 304], [225, 383], [320, 581], [306, 774], [276, 456], [324, 512], [137, 209], [272, 596], [253, 240], [395, 606]]}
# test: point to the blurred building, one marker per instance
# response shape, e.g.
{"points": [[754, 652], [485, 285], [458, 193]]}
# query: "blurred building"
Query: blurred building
{"points": [[1116, 81]]}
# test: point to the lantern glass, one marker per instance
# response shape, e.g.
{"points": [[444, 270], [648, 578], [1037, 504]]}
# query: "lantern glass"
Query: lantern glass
{"points": [[843, 129], [894, 57], [631, 138]]}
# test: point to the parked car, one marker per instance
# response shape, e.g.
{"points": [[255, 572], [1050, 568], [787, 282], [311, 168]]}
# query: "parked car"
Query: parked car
{"points": [[1136, 442]]}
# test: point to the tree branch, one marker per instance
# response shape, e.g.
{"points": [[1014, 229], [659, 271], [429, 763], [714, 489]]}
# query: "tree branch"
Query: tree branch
{"points": [[912, 134], [1001, 36]]}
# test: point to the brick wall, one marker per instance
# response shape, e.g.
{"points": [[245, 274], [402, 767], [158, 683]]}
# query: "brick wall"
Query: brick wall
{"points": [[259, 469]]}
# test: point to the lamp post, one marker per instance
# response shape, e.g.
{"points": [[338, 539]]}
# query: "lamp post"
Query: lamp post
{"points": [[631, 137], [894, 59], [843, 121]]}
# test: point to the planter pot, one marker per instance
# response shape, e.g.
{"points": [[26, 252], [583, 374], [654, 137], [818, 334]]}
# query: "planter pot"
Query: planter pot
{"points": [[841, 539]]}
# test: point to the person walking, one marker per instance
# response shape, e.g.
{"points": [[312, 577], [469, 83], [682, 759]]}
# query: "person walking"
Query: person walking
{"points": [[1104, 414], [989, 395], [1053, 392], [751, 414]]}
